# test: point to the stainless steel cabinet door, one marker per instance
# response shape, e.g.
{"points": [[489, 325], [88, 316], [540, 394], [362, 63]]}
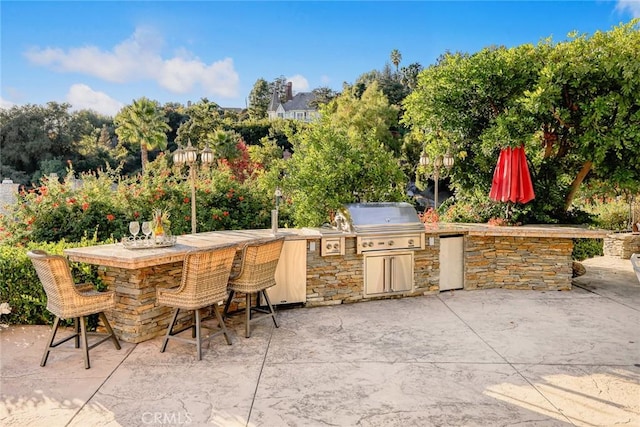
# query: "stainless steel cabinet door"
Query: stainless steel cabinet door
{"points": [[388, 272], [401, 272]]}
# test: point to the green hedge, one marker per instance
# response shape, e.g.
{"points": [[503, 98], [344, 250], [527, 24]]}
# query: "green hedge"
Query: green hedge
{"points": [[587, 248]]}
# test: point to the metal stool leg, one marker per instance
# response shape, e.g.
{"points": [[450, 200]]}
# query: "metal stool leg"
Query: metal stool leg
{"points": [[85, 342], [223, 327], [227, 304], [198, 333], [52, 336], [194, 328], [247, 330], [271, 311], [107, 325], [76, 325], [168, 334]]}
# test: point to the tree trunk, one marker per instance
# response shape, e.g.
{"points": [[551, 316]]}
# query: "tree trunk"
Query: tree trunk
{"points": [[586, 168], [144, 155]]}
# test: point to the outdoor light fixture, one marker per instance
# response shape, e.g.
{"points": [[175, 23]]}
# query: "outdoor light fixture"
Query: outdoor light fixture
{"points": [[189, 156], [447, 161], [274, 212]]}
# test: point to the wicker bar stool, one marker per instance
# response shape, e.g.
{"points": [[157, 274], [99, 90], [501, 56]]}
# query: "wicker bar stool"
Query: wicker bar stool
{"points": [[66, 300], [257, 273], [204, 284]]}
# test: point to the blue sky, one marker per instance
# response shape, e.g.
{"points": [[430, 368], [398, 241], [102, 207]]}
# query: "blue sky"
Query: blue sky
{"points": [[104, 54]]}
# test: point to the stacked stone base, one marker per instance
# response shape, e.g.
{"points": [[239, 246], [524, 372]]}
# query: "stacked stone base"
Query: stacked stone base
{"points": [[621, 245]]}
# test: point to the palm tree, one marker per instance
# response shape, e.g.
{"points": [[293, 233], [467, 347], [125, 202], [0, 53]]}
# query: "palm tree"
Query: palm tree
{"points": [[145, 124], [396, 58]]}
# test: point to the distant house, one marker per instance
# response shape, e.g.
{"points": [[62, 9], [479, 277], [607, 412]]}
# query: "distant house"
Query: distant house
{"points": [[295, 107]]}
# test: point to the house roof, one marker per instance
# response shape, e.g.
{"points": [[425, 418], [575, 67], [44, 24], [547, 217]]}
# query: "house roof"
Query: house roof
{"points": [[275, 101], [300, 102]]}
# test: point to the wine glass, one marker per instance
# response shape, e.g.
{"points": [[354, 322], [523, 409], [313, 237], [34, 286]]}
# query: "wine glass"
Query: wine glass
{"points": [[134, 228], [146, 229]]}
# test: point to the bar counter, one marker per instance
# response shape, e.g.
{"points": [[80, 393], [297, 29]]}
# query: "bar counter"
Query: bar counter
{"points": [[135, 274], [536, 257]]}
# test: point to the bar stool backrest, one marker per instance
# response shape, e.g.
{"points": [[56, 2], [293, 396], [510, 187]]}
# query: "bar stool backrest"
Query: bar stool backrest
{"points": [[205, 273], [259, 263], [63, 299]]}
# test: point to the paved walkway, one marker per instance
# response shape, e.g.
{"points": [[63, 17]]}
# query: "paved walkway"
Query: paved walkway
{"points": [[463, 358]]}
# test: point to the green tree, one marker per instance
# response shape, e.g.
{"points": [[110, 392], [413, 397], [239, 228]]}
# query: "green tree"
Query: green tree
{"points": [[409, 75], [33, 136], [339, 161], [143, 124], [204, 117], [369, 112], [279, 85], [572, 104], [259, 99], [322, 95]]}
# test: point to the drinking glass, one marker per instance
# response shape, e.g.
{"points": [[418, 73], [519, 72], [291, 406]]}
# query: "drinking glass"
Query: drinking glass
{"points": [[134, 228], [146, 229]]}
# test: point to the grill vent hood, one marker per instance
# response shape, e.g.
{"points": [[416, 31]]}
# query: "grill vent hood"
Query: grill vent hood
{"points": [[378, 217]]}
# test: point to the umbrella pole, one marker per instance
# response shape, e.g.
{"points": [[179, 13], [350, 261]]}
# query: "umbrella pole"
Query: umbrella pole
{"points": [[508, 212]]}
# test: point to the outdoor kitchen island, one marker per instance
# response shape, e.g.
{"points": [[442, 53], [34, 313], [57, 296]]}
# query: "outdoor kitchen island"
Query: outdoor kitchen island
{"points": [[325, 267], [482, 257]]}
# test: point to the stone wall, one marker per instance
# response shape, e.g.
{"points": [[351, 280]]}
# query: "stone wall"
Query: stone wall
{"points": [[334, 279], [490, 262], [518, 263], [137, 317], [340, 279], [621, 245]]}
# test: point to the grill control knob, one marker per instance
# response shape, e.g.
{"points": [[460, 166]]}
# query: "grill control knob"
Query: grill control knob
{"points": [[336, 246], [411, 242], [328, 245], [390, 243]]}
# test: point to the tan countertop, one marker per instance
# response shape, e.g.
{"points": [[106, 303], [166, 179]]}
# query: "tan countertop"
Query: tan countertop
{"points": [[116, 255], [533, 230]]}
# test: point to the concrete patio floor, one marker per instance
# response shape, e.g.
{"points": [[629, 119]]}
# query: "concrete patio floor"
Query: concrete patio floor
{"points": [[462, 358]]}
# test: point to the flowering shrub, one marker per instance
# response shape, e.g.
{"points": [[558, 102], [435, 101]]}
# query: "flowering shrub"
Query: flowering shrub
{"points": [[497, 222], [105, 204], [55, 215], [430, 216]]}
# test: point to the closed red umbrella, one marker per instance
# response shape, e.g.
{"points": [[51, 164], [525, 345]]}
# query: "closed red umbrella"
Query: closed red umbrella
{"points": [[511, 179]]}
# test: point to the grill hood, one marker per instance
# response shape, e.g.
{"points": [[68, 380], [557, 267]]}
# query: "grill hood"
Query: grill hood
{"points": [[378, 217]]}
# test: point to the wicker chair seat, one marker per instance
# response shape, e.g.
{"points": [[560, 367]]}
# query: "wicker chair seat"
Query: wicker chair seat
{"points": [[84, 304], [178, 299], [246, 285]]}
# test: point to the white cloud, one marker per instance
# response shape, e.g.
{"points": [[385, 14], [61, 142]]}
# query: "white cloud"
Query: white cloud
{"points": [[632, 6], [300, 83], [139, 58], [82, 97], [6, 104], [180, 75]]}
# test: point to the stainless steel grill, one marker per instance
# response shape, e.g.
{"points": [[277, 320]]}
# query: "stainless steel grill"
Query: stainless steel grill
{"points": [[382, 226]]}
